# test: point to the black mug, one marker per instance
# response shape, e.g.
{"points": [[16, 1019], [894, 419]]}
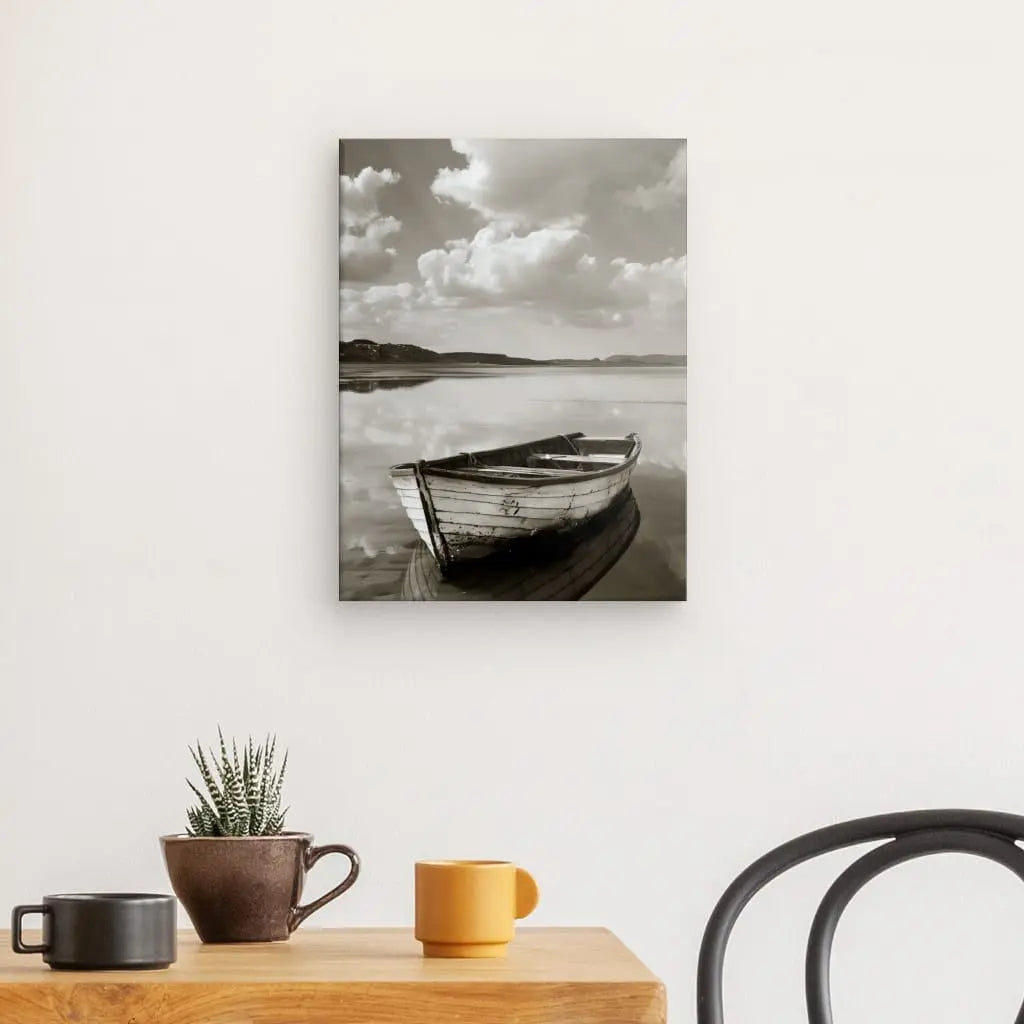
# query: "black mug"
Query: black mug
{"points": [[102, 931]]}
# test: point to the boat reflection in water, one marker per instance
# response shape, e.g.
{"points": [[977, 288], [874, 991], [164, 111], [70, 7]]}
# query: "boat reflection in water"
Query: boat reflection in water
{"points": [[557, 567]]}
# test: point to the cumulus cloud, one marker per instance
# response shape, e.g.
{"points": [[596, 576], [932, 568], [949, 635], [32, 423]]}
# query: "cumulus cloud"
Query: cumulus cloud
{"points": [[553, 216], [669, 190], [550, 271], [546, 267], [660, 286], [378, 303], [548, 182], [359, 203], [366, 254]]}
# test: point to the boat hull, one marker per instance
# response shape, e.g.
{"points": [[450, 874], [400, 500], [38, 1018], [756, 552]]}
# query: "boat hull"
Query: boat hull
{"points": [[557, 567], [474, 517]]}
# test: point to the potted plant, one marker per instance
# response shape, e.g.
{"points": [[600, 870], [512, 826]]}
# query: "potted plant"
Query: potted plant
{"points": [[237, 872]]}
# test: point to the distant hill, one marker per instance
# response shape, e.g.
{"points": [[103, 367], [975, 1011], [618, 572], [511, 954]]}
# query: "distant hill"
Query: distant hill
{"points": [[362, 350]]}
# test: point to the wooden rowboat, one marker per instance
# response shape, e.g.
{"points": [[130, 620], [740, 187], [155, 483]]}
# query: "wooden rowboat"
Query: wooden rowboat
{"points": [[469, 505], [549, 567]]}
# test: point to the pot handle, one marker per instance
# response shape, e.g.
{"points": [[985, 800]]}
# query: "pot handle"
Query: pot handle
{"points": [[312, 855]]}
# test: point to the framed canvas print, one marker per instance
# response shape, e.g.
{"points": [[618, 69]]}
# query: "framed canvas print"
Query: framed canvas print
{"points": [[512, 369]]}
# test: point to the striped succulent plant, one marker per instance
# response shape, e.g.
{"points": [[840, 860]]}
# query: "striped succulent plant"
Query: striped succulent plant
{"points": [[243, 795]]}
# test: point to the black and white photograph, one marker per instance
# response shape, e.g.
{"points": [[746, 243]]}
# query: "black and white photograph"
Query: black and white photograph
{"points": [[512, 369]]}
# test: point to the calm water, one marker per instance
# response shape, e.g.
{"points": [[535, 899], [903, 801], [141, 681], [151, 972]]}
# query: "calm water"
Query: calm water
{"points": [[401, 414]]}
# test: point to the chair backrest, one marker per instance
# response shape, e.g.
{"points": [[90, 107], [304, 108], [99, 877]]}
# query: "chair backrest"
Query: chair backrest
{"points": [[989, 834]]}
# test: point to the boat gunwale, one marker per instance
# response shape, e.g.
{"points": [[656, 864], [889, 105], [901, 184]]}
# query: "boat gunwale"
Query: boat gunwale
{"points": [[429, 469]]}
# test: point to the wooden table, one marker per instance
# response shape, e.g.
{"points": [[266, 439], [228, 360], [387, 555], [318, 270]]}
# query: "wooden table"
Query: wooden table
{"points": [[350, 976]]}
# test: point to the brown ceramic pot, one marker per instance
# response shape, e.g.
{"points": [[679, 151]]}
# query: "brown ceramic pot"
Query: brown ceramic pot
{"points": [[247, 888]]}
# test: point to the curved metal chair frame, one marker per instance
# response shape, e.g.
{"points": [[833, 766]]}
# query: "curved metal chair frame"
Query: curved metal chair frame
{"points": [[989, 834]]}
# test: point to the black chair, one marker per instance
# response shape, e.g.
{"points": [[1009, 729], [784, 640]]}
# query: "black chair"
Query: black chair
{"points": [[989, 834]]}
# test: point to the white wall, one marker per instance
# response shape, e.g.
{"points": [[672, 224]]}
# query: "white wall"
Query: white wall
{"points": [[168, 471]]}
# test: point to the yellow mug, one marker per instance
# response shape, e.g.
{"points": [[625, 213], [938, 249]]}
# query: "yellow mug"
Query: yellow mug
{"points": [[469, 908]]}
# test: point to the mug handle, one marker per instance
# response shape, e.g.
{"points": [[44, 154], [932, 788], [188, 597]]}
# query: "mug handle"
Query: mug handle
{"points": [[17, 915], [527, 893], [311, 856]]}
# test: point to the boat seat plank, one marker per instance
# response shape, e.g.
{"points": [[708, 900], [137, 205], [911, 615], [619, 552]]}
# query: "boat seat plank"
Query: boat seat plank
{"points": [[523, 471], [603, 457]]}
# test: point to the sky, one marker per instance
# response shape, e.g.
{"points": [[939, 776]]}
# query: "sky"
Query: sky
{"points": [[544, 248]]}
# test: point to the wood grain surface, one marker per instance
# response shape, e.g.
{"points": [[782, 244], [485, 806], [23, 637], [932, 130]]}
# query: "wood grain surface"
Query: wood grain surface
{"points": [[349, 976]]}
